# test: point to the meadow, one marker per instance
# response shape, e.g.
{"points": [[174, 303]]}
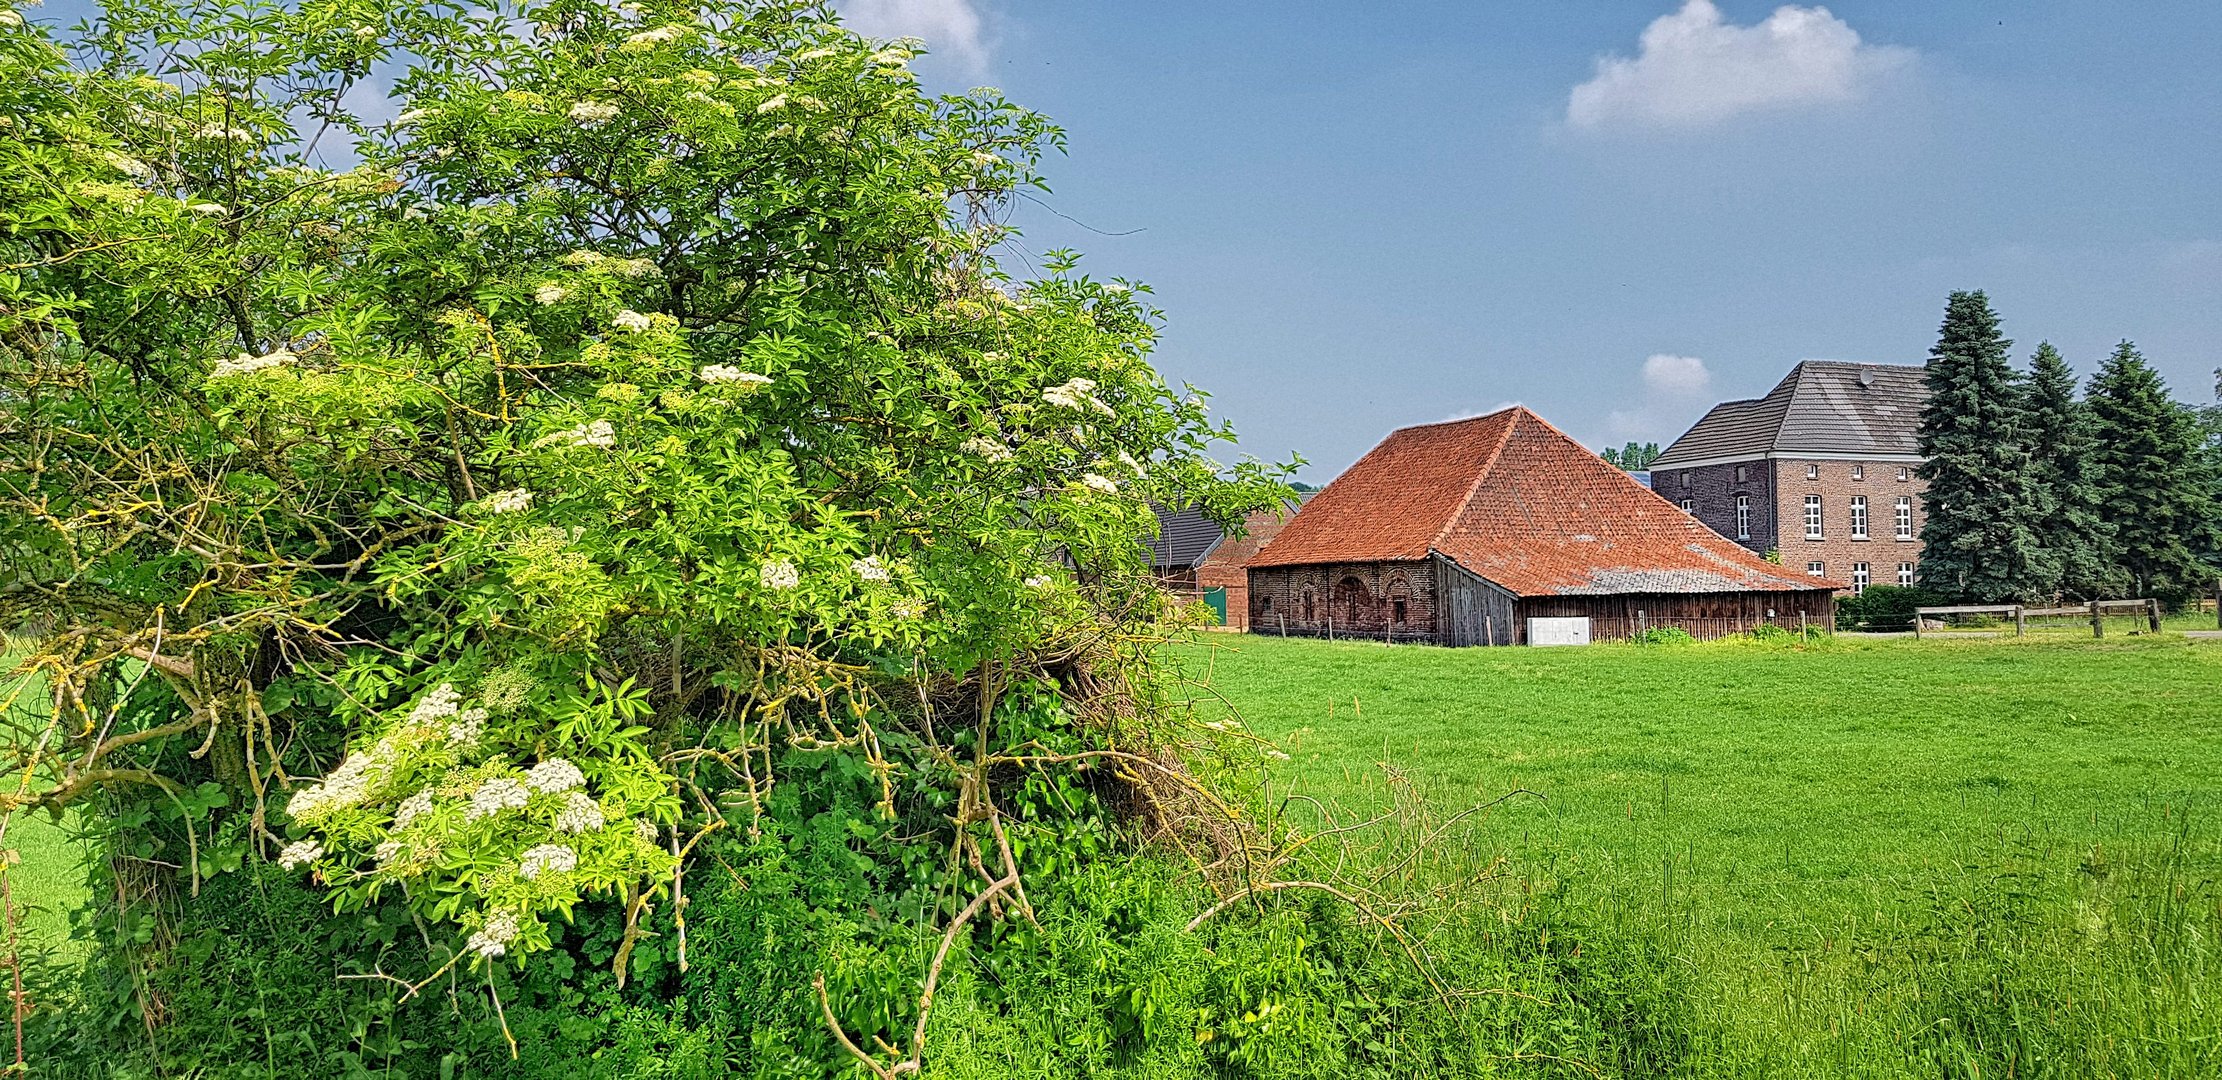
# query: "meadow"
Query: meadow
{"points": [[1864, 858]]}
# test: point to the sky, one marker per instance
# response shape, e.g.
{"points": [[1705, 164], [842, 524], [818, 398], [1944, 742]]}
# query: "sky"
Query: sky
{"points": [[1616, 212], [1358, 216]]}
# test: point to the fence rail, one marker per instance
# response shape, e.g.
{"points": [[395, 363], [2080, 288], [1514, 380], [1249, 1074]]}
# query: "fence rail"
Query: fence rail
{"points": [[2094, 610]]}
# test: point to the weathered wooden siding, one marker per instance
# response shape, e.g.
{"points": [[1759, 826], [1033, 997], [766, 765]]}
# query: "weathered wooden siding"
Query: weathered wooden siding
{"points": [[1704, 615], [1474, 612]]}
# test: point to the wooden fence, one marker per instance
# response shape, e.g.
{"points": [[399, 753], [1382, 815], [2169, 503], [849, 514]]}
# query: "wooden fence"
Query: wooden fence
{"points": [[2095, 611]]}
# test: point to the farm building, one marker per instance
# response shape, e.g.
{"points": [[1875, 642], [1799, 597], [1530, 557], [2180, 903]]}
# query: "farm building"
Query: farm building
{"points": [[1824, 470], [1501, 530], [1198, 560]]}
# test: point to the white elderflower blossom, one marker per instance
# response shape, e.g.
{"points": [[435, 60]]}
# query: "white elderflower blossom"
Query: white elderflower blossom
{"points": [[219, 131], [649, 39], [129, 166], [9, 18], [982, 446], [779, 574], [1127, 460], [300, 853], [208, 209], [747, 382], [514, 500], [1040, 581], [893, 56], [386, 852], [244, 364], [554, 775], [907, 610], [632, 268], [633, 321], [595, 433], [492, 939], [582, 258], [869, 568], [436, 706], [592, 114], [645, 829], [630, 10], [771, 104], [496, 795], [365, 33], [464, 731], [580, 813], [413, 116], [1100, 484], [551, 293], [1076, 394], [412, 808], [544, 858], [348, 786]]}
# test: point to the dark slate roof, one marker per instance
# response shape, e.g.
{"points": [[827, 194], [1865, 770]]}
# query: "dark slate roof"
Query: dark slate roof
{"points": [[1184, 538], [1822, 407], [1512, 499]]}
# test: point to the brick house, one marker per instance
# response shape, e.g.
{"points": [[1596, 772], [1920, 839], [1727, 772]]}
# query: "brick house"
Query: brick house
{"points": [[1192, 556], [1822, 470], [1493, 530]]}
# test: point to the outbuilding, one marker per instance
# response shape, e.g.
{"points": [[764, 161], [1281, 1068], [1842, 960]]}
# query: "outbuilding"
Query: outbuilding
{"points": [[1501, 530]]}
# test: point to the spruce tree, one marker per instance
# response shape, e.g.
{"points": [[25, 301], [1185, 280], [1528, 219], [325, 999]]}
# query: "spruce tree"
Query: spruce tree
{"points": [[1981, 542], [2153, 487], [2060, 460]]}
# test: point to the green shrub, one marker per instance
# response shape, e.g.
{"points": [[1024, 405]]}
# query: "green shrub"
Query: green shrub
{"points": [[1665, 635], [1884, 607]]}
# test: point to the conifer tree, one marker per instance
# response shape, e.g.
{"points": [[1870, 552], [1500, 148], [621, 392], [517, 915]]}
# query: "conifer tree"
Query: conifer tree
{"points": [[1981, 542], [2153, 487], [2060, 452]]}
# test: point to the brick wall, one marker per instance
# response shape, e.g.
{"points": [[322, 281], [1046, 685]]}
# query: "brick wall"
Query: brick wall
{"points": [[1837, 551], [1712, 492], [1357, 597]]}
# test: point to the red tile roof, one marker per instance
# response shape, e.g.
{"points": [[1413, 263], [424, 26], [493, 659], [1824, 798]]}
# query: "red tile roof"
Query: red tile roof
{"points": [[1512, 499]]}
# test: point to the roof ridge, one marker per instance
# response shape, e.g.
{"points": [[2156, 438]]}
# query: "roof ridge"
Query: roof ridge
{"points": [[1458, 509], [1457, 420]]}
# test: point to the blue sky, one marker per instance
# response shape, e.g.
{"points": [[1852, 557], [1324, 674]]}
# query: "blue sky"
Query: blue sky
{"points": [[1359, 216]]}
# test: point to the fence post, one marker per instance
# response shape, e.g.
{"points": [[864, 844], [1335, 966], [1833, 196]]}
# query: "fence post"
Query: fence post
{"points": [[2098, 621], [1330, 623], [1917, 624], [1643, 628], [1283, 617], [1803, 630], [2021, 622], [2152, 613]]}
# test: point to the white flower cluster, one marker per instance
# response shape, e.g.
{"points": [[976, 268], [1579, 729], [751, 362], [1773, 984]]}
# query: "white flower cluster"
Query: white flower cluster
{"points": [[545, 858], [129, 166], [496, 795], [350, 785], [596, 433], [580, 813], [645, 829], [9, 18], [633, 321], [462, 726], [1102, 485], [412, 116], [1076, 394], [208, 209], [869, 568], [464, 731], [550, 293], [493, 939], [300, 853], [1127, 460], [907, 609], [436, 706], [1040, 581], [386, 851], [892, 56], [779, 574], [649, 39], [412, 808], [624, 268], [219, 131], [591, 114], [554, 775], [508, 502], [244, 364], [989, 449], [772, 104], [748, 382]]}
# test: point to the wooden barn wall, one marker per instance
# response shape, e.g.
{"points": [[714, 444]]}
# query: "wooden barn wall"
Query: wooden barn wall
{"points": [[1474, 612], [1704, 615]]}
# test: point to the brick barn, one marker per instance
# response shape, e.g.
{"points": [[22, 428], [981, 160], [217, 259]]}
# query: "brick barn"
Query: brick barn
{"points": [[1465, 533], [1196, 559]]}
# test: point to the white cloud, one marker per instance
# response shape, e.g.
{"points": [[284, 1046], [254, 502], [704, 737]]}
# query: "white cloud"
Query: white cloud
{"points": [[1675, 389], [1695, 68], [1468, 414], [950, 28]]}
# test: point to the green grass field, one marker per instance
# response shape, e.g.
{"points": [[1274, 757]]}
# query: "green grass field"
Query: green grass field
{"points": [[1961, 858]]}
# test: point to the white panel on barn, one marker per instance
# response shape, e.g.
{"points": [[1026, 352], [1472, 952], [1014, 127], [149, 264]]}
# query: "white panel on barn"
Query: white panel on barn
{"points": [[1563, 631]]}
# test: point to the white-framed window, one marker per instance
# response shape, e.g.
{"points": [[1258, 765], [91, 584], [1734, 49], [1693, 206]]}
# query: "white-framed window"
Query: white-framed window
{"points": [[1743, 473], [1905, 573], [1904, 473], [1686, 477], [1816, 568], [1859, 578], [1859, 472], [1813, 472], [1902, 517], [1743, 517], [1813, 517], [1859, 517], [1689, 506]]}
